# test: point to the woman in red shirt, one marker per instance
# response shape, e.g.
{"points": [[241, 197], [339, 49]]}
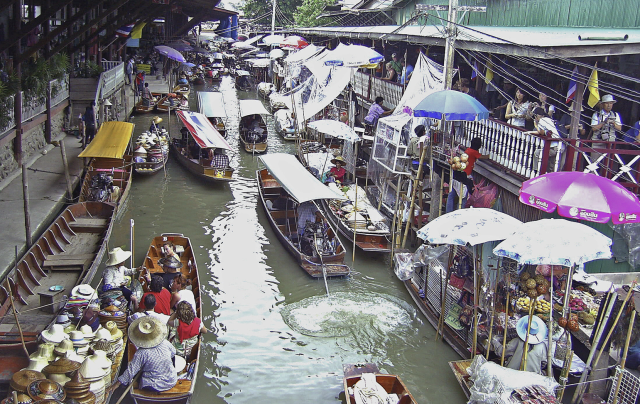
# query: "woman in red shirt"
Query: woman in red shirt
{"points": [[162, 295], [188, 328], [337, 172]]}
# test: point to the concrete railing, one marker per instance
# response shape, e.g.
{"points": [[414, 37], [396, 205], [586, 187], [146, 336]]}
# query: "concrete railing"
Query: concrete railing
{"points": [[37, 107]]}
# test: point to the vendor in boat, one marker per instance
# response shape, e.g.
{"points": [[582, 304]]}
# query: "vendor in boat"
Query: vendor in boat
{"points": [[180, 293], [336, 174], [283, 202], [154, 357], [170, 266], [188, 328], [194, 150], [146, 95], [218, 158], [114, 275], [162, 296], [537, 345], [153, 128]]}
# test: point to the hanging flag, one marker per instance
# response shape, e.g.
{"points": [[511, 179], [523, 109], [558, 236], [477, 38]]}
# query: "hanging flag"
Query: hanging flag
{"points": [[572, 85], [125, 30], [136, 32], [488, 76], [474, 73], [592, 85]]}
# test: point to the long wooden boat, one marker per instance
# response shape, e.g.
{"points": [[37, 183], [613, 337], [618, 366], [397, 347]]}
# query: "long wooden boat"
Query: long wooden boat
{"points": [[371, 233], [141, 108], [67, 254], [183, 89], [284, 124], [391, 384], [152, 167], [253, 128], [110, 155], [205, 136], [181, 393], [173, 101], [460, 371], [212, 105], [283, 171], [244, 81]]}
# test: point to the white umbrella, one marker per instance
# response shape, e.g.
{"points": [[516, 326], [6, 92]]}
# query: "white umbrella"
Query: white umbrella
{"points": [[336, 129], [273, 39], [242, 45], [351, 56], [471, 226], [555, 242], [276, 53]]}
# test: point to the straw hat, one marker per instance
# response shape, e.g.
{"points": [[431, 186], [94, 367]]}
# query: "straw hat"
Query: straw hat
{"points": [[141, 150], [55, 334], [103, 333], [157, 119], [63, 319], [77, 337], [45, 350], [83, 290], [147, 332], [338, 159], [45, 390], [20, 380], [87, 331], [62, 365], [116, 333], [537, 333], [63, 347], [117, 256], [170, 262]]}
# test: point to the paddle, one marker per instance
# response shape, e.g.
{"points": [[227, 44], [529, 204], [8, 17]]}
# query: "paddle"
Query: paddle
{"points": [[135, 379]]}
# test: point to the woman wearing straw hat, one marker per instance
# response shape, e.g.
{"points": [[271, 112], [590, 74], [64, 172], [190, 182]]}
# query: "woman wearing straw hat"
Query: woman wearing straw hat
{"points": [[537, 345], [153, 357], [336, 174], [114, 274]]}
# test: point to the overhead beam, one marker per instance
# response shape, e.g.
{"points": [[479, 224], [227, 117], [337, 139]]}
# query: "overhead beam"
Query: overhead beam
{"points": [[190, 24]]}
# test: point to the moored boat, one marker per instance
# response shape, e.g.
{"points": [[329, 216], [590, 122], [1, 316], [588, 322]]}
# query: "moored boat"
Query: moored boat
{"points": [[244, 82], [67, 254], [313, 244], [141, 107], [367, 380], [183, 89], [211, 104], [173, 101], [182, 392], [202, 137], [253, 128], [285, 124], [108, 177]]}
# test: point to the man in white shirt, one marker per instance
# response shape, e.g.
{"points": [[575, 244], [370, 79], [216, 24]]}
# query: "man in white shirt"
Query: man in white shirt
{"points": [[604, 124], [149, 304], [545, 126]]}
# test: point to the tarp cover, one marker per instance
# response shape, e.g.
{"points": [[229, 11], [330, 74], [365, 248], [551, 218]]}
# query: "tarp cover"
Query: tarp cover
{"points": [[251, 107], [303, 54], [295, 179], [211, 104], [205, 135], [111, 141], [427, 78]]}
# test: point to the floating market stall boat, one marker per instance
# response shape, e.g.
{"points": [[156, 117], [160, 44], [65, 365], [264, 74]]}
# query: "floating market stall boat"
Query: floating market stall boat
{"points": [[181, 393], [152, 150], [253, 128], [366, 381], [244, 81], [67, 254], [141, 108], [108, 177], [212, 105], [205, 138], [285, 124], [173, 101], [315, 246], [183, 89]]}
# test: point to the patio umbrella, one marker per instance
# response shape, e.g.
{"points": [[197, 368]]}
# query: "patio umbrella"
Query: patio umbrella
{"points": [[242, 45], [294, 42], [471, 226], [581, 196], [273, 39], [351, 56], [276, 53], [180, 46], [334, 128], [451, 105], [170, 53]]}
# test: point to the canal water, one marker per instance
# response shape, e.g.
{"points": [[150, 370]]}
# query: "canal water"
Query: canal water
{"points": [[275, 336]]}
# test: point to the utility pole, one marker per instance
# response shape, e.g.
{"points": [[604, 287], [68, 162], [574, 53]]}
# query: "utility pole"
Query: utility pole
{"points": [[273, 18]]}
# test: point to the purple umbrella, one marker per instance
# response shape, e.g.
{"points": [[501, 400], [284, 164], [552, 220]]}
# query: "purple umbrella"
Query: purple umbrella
{"points": [[170, 53], [180, 47], [582, 196]]}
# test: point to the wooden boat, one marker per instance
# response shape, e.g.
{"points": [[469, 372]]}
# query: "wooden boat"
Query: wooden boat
{"points": [[67, 254], [206, 138], [173, 101], [460, 371], [152, 166], [183, 89], [283, 171], [211, 104], [371, 232], [392, 384], [110, 157], [253, 129], [284, 124], [181, 393], [244, 82], [141, 108]]}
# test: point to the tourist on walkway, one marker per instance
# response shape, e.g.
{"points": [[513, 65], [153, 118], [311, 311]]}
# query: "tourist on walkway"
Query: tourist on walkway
{"points": [[604, 124], [465, 177], [90, 123], [518, 110], [545, 126]]}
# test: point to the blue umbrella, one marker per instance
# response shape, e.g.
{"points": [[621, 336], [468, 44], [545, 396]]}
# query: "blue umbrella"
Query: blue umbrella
{"points": [[180, 47], [170, 53], [189, 64], [452, 105]]}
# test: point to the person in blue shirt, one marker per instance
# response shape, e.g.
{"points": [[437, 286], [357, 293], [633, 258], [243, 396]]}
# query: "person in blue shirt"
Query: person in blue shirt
{"points": [[407, 71]]}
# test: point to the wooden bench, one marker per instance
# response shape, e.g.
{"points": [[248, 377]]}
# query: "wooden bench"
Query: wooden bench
{"points": [[182, 387], [67, 261], [88, 224]]}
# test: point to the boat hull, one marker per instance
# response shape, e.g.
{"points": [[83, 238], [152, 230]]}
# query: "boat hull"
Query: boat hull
{"points": [[392, 384], [248, 145], [121, 177], [149, 168], [202, 171]]}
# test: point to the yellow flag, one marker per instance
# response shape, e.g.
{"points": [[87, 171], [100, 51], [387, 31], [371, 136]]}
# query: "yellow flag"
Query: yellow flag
{"points": [[136, 32], [592, 85], [488, 75]]}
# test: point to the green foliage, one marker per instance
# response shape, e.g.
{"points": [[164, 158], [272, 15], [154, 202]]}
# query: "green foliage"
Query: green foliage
{"points": [[307, 13], [263, 8]]}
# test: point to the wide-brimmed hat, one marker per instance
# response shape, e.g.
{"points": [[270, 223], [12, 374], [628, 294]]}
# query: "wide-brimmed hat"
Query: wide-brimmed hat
{"points": [[157, 119], [55, 334], [83, 291], [339, 159], [608, 98], [117, 256], [537, 333], [147, 332], [170, 262], [63, 347]]}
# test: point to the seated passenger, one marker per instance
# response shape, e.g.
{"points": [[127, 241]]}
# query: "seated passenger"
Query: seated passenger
{"points": [[169, 250], [149, 301], [180, 293], [283, 202], [188, 327], [170, 266], [218, 158], [162, 297]]}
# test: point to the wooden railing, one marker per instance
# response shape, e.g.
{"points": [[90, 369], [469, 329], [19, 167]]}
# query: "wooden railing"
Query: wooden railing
{"points": [[369, 87]]}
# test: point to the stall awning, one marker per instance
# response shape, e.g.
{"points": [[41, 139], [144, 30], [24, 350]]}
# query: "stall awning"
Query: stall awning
{"points": [[111, 141], [205, 135], [211, 104], [252, 107], [296, 179]]}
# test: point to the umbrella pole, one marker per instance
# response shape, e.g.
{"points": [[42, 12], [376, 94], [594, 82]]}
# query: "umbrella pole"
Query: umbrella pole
{"points": [[506, 320], [413, 196], [474, 342], [624, 356], [567, 291], [355, 216], [493, 313], [443, 294], [525, 349], [550, 328]]}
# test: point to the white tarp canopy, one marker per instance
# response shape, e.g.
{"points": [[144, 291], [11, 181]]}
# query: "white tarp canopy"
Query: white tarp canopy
{"points": [[205, 135], [427, 78], [296, 179], [303, 54], [252, 107], [258, 62], [273, 39], [253, 40], [351, 56], [396, 121], [335, 129], [211, 104]]}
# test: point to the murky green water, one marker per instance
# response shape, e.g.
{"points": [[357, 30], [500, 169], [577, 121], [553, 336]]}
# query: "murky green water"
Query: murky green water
{"points": [[275, 335]]}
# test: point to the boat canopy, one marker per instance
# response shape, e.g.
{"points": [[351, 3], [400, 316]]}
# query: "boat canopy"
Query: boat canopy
{"points": [[252, 107], [303, 54], [211, 104], [241, 73], [217, 55], [296, 179], [205, 135], [259, 62], [111, 141]]}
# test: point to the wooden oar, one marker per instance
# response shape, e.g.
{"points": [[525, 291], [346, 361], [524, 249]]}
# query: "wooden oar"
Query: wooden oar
{"points": [[135, 379]]}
